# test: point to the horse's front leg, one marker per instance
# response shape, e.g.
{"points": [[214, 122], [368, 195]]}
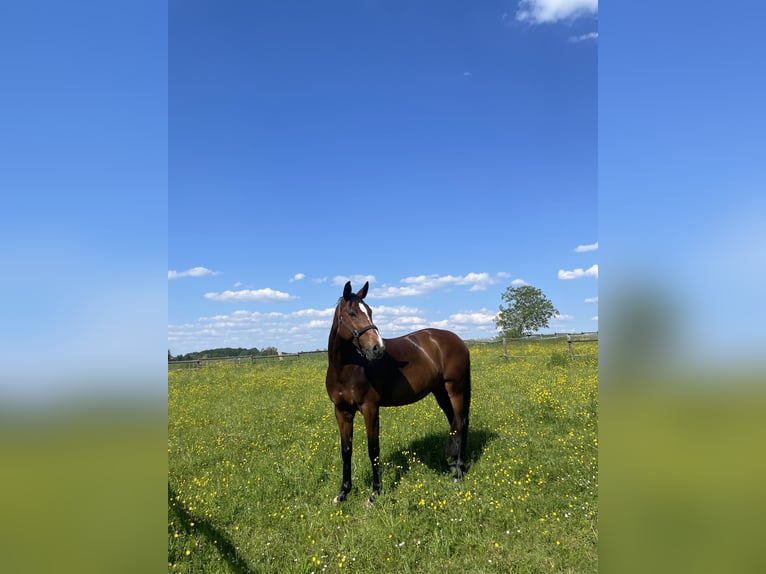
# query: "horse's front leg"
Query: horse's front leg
{"points": [[345, 420], [372, 424]]}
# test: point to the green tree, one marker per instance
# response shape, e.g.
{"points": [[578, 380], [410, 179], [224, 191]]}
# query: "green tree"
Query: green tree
{"points": [[528, 310]]}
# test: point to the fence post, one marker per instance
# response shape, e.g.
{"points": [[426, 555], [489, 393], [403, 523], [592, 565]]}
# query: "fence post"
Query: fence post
{"points": [[569, 343], [505, 349]]}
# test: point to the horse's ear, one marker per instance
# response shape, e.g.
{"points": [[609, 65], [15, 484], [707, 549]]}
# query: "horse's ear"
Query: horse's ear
{"points": [[347, 290], [363, 291]]}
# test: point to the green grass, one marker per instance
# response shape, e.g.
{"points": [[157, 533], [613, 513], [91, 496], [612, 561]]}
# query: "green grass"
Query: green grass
{"points": [[254, 462], [79, 487]]}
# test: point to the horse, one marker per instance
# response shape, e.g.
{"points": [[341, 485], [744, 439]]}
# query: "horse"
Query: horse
{"points": [[366, 372]]}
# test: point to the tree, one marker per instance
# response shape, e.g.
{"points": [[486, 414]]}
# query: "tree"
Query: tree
{"points": [[528, 311]]}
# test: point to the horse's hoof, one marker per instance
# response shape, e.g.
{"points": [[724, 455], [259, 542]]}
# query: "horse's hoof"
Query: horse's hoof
{"points": [[340, 498], [370, 501]]}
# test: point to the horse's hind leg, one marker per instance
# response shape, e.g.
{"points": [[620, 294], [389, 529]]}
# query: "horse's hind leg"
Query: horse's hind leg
{"points": [[458, 392], [454, 447], [459, 433], [461, 402]]}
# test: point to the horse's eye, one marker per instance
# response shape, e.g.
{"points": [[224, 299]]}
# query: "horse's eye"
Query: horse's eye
{"points": [[351, 314]]}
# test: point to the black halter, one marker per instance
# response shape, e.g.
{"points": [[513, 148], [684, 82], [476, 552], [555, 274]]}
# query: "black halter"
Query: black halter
{"points": [[355, 333]]}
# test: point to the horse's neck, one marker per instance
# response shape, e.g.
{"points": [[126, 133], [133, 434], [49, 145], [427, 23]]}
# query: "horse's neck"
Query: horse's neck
{"points": [[334, 343], [340, 352]]}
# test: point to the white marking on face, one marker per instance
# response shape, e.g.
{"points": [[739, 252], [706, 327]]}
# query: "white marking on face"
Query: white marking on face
{"points": [[372, 332]]}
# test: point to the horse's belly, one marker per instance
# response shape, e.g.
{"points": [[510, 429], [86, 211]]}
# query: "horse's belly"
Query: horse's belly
{"points": [[399, 395], [399, 401], [401, 386]]}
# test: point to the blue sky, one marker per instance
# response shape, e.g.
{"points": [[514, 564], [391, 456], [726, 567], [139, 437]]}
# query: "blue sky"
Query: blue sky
{"points": [[442, 151], [83, 223], [119, 167], [682, 180]]}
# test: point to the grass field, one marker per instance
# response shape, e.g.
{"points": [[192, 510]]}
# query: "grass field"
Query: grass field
{"points": [[254, 462]]}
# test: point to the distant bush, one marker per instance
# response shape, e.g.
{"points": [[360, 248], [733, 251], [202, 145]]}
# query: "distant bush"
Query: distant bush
{"points": [[224, 352]]}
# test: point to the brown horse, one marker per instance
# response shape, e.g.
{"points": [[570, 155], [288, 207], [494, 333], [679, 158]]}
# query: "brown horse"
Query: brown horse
{"points": [[365, 372]]}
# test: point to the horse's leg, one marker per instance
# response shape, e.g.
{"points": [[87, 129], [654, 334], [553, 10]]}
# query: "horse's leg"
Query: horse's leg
{"points": [[452, 446], [345, 420], [460, 398], [372, 425]]}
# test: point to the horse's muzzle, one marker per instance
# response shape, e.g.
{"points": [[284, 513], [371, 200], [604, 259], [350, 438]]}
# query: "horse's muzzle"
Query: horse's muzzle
{"points": [[374, 352]]}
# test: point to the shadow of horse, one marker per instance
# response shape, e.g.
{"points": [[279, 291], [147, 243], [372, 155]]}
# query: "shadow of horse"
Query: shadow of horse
{"points": [[212, 535], [429, 450]]}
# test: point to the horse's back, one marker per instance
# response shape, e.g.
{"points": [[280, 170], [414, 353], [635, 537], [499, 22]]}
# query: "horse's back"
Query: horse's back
{"points": [[444, 349]]}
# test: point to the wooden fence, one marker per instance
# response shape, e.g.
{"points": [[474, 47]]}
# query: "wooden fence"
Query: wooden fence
{"points": [[571, 338], [245, 359]]}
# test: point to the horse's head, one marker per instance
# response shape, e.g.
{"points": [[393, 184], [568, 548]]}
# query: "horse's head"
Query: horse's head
{"points": [[355, 323]]}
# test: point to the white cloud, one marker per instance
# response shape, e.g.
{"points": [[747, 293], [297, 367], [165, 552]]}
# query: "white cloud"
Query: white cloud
{"points": [[518, 282], [266, 294], [579, 273], [297, 277], [397, 311], [584, 248], [398, 319], [594, 318], [482, 317], [584, 37], [324, 313], [547, 11], [423, 284], [193, 272], [306, 329], [388, 291], [591, 300]]}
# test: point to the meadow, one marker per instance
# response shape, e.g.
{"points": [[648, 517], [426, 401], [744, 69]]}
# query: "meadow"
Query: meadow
{"points": [[254, 463]]}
